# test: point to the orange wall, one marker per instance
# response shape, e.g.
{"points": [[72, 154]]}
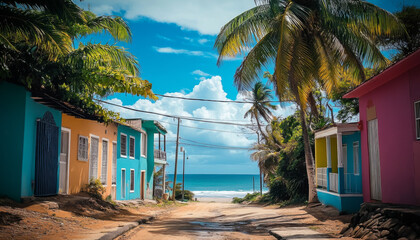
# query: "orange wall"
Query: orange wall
{"points": [[79, 170]]}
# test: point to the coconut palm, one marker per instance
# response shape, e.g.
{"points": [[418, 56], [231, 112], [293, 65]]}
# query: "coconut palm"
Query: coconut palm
{"points": [[261, 106], [310, 43]]}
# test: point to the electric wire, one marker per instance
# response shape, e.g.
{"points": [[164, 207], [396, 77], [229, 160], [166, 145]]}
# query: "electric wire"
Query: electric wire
{"points": [[207, 129], [211, 100], [180, 117], [215, 146]]}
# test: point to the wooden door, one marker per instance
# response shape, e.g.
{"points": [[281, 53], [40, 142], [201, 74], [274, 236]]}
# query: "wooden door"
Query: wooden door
{"points": [[374, 160], [64, 161], [123, 183], [142, 183]]}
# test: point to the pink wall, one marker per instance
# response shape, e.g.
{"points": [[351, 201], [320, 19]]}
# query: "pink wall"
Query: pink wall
{"points": [[399, 151]]}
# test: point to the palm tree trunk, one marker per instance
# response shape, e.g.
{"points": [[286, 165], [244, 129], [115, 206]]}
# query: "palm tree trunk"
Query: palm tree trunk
{"points": [[309, 159]]}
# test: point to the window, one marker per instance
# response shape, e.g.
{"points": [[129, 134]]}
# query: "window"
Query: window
{"points": [[143, 144], [356, 158], [93, 165], [123, 145], [132, 146], [131, 180], [82, 154], [114, 163], [104, 169], [417, 116]]}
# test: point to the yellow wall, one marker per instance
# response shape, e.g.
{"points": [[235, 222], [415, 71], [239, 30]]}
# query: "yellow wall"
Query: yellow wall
{"points": [[79, 170], [334, 154], [320, 153]]}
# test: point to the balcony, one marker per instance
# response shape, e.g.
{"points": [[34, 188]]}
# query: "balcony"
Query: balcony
{"points": [[160, 156]]}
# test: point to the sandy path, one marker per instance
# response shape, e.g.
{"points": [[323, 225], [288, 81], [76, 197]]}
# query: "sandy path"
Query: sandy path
{"points": [[225, 221]]}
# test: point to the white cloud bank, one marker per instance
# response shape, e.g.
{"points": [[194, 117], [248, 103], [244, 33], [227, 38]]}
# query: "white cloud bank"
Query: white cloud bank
{"points": [[204, 16], [204, 160]]}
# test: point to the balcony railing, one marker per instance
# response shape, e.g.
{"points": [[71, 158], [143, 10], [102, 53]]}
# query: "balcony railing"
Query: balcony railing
{"points": [[333, 182], [321, 175], [351, 183], [159, 154]]}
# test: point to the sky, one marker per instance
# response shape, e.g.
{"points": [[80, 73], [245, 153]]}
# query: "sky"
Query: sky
{"points": [[173, 42]]}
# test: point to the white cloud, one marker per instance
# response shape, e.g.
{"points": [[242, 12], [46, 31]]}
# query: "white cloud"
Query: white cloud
{"points": [[178, 51], [210, 160], [164, 38], [200, 73], [204, 16], [203, 40]]}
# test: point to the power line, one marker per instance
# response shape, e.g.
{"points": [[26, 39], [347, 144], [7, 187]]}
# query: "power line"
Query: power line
{"points": [[210, 145], [217, 147], [207, 129], [173, 116], [211, 100]]}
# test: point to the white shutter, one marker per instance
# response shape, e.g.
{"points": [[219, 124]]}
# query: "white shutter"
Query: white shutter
{"points": [[104, 170], [94, 145], [114, 163]]}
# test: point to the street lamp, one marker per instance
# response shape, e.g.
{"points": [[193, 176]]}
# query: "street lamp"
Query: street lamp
{"points": [[183, 172]]}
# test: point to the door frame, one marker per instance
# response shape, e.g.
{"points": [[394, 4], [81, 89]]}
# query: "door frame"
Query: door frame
{"points": [[142, 184], [123, 184], [63, 129], [379, 178]]}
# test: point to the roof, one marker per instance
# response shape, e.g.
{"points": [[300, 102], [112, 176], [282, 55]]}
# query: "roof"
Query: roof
{"points": [[386, 75], [153, 125], [336, 128]]}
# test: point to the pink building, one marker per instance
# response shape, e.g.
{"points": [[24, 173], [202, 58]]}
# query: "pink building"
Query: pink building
{"points": [[389, 105]]}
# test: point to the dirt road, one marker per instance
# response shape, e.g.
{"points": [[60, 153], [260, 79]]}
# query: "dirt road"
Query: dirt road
{"points": [[228, 221]]}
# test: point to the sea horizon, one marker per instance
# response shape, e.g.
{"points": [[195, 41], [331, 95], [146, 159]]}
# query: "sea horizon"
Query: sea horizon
{"points": [[219, 185]]}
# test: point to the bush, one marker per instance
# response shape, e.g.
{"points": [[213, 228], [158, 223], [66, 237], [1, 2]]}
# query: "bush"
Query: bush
{"points": [[278, 190], [188, 195], [250, 197], [95, 188]]}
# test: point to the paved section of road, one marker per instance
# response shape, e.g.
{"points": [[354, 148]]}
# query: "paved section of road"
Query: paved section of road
{"points": [[226, 221]]}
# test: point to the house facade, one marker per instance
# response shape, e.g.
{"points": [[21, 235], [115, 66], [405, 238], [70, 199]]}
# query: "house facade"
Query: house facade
{"points": [[88, 151], [29, 151], [338, 167], [389, 106]]}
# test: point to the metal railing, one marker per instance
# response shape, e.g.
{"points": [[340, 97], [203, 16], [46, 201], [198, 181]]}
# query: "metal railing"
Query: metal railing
{"points": [[321, 177], [333, 182], [159, 154]]}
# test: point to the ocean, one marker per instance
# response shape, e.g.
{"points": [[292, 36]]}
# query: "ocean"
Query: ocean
{"points": [[219, 185]]}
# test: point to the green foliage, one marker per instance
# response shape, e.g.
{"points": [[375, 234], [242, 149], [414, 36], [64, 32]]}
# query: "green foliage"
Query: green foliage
{"points": [[109, 199], [188, 195], [249, 197], [95, 188]]}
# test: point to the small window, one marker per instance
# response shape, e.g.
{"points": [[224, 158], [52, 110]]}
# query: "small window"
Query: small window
{"points": [[143, 145], [356, 158], [131, 180], [417, 116], [82, 154], [123, 145], [132, 146]]}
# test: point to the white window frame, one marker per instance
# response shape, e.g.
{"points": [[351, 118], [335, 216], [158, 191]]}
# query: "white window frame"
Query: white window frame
{"points": [[90, 159], [416, 119], [68, 157], [87, 149], [122, 184], [134, 180], [121, 155], [107, 161], [134, 147], [112, 172], [143, 138], [356, 158]]}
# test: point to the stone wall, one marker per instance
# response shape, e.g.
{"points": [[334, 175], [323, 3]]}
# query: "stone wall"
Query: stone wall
{"points": [[381, 221]]}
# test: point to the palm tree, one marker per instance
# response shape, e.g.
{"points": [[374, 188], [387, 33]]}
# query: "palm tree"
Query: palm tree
{"points": [[261, 106], [311, 43]]}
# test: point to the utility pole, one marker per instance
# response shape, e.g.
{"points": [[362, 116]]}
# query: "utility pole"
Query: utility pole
{"points": [[176, 161], [258, 134], [183, 173]]}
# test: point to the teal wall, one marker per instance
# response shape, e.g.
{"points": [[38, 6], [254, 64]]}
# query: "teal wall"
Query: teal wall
{"points": [[344, 204], [356, 180], [34, 111], [12, 105], [18, 142], [150, 162], [128, 164]]}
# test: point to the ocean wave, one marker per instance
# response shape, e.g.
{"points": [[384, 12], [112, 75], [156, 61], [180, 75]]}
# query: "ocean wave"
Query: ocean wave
{"points": [[221, 194]]}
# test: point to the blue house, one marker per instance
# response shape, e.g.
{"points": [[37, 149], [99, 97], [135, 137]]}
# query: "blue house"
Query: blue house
{"points": [[30, 138], [338, 167]]}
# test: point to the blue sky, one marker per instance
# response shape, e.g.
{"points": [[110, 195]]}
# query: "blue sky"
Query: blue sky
{"points": [[173, 42]]}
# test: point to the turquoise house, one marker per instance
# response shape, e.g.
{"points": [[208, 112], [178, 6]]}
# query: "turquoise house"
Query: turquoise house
{"points": [[30, 138], [338, 167], [136, 158]]}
